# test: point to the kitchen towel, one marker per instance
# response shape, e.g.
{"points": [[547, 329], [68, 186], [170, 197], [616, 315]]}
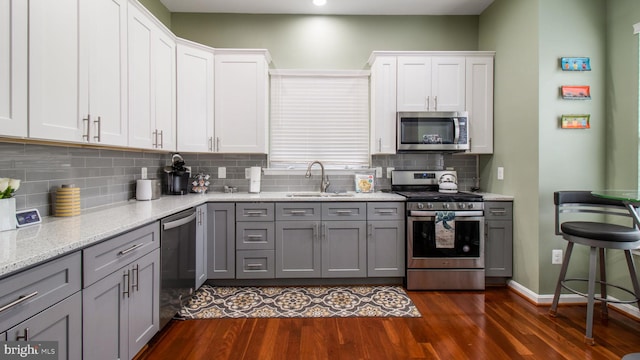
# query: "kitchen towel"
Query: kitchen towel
{"points": [[445, 229]]}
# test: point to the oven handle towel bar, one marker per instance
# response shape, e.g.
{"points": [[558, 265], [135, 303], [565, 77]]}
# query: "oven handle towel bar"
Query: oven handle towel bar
{"points": [[414, 213]]}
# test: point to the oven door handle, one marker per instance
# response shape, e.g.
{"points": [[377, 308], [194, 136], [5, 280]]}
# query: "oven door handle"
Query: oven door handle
{"points": [[471, 213]]}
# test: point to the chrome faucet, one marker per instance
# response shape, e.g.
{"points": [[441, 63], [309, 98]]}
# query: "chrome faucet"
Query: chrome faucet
{"points": [[324, 184]]}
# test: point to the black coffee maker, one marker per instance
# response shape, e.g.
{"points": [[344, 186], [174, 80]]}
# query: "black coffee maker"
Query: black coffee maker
{"points": [[177, 176]]}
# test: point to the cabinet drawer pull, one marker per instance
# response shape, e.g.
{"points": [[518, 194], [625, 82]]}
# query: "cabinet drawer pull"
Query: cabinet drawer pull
{"points": [[254, 265], [252, 237], [19, 300], [24, 337], [126, 251], [385, 211], [498, 211], [254, 212], [298, 212], [344, 212]]}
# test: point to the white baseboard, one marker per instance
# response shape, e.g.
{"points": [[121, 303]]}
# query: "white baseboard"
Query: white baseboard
{"points": [[547, 299]]}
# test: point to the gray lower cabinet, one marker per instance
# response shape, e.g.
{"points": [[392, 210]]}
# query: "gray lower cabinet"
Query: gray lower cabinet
{"points": [[221, 239], [344, 240], [255, 241], [386, 239], [297, 236], [121, 310], [44, 304], [61, 323], [498, 238], [201, 245]]}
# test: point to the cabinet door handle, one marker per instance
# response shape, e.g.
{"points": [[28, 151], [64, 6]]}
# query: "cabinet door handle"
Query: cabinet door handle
{"points": [[161, 139], [88, 121], [19, 300], [435, 101], [155, 136], [370, 232], [428, 103], [217, 144], [99, 123], [126, 251], [137, 280], [211, 143], [24, 337], [315, 232], [126, 280], [380, 145]]}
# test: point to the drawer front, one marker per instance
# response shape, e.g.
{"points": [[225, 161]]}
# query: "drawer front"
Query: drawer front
{"points": [[498, 210], [344, 211], [385, 211], [297, 211], [254, 212], [255, 264], [28, 292], [106, 257], [258, 235]]}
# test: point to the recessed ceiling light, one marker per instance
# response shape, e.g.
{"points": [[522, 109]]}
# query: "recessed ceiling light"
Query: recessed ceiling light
{"points": [[319, 2]]}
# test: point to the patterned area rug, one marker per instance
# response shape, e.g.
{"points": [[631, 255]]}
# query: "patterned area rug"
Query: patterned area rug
{"points": [[299, 302]]}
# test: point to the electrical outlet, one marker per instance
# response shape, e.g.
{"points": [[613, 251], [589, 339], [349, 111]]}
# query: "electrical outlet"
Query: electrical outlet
{"points": [[556, 256], [378, 172], [143, 174], [500, 173], [247, 173], [389, 172], [222, 172]]}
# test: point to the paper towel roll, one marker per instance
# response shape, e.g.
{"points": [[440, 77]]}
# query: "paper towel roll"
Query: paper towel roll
{"points": [[143, 189], [254, 179]]}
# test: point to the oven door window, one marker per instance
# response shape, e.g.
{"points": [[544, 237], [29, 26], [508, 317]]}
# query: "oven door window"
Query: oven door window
{"points": [[466, 240], [427, 131]]}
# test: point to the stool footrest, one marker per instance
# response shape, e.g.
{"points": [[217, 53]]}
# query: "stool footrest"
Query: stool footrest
{"points": [[602, 283]]}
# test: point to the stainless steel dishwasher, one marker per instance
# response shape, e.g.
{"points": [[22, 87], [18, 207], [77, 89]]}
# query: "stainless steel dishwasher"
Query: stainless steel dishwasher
{"points": [[177, 262]]}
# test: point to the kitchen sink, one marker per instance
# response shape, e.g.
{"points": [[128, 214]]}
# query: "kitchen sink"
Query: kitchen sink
{"points": [[319, 195]]}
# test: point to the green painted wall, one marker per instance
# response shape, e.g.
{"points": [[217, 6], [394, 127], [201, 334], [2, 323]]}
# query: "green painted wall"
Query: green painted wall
{"points": [[158, 10], [327, 42], [510, 27]]}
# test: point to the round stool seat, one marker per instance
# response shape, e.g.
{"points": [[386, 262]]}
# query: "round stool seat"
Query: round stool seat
{"points": [[600, 231]]}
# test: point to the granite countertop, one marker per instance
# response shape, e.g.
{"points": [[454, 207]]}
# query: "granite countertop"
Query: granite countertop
{"points": [[494, 197], [24, 247]]}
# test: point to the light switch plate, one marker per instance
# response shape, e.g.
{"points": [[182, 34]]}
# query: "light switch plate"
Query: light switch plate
{"points": [[378, 172], [222, 172], [500, 173]]}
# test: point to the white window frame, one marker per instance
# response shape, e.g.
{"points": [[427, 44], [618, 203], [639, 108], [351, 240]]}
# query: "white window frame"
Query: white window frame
{"points": [[297, 132]]}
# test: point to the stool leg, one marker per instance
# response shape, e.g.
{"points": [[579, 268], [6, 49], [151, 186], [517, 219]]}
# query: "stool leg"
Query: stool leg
{"points": [[588, 338], [553, 311], [633, 274], [603, 285]]}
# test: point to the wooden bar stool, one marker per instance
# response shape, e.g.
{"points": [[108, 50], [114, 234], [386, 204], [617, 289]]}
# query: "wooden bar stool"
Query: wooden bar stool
{"points": [[598, 236]]}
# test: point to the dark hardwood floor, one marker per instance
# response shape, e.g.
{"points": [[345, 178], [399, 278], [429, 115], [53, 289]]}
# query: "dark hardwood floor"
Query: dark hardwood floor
{"points": [[494, 324]]}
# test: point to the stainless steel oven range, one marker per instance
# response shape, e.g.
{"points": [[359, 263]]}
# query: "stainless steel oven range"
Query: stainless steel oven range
{"points": [[445, 231]]}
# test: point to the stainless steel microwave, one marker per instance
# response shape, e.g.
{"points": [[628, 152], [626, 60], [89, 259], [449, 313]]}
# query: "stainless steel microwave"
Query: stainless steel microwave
{"points": [[433, 131]]}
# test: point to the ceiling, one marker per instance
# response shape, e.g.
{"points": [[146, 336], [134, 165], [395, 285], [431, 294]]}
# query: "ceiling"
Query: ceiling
{"points": [[333, 7]]}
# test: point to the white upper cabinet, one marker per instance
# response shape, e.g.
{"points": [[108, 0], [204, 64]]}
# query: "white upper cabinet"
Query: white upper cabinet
{"points": [[479, 99], [195, 97], [77, 71], [383, 105], [431, 83], [241, 101], [152, 82], [13, 67]]}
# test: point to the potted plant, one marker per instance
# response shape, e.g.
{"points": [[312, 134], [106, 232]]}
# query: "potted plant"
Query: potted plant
{"points": [[8, 188]]}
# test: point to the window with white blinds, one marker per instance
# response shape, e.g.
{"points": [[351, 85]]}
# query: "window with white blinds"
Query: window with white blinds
{"points": [[319, 116]]}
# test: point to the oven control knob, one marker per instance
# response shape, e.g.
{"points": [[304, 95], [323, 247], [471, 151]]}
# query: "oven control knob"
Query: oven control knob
{"points": [[470, 205], [420, 206], [445, 205], [429, 206], [461, 205]]}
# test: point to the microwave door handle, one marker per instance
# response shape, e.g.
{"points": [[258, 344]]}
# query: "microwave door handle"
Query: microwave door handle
{"points": [[456, 130]]}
